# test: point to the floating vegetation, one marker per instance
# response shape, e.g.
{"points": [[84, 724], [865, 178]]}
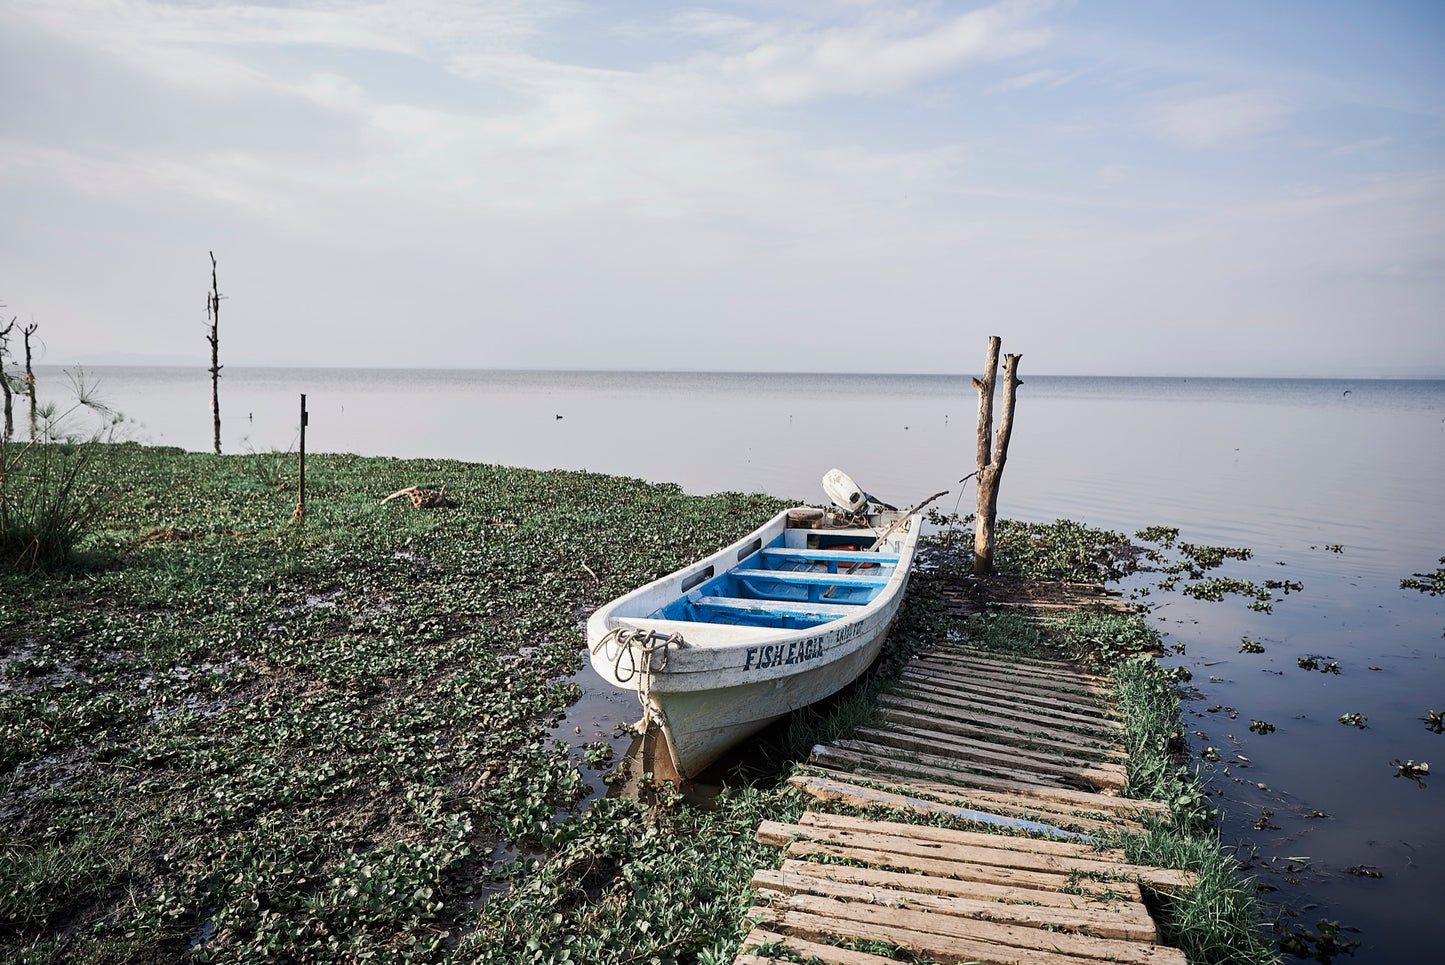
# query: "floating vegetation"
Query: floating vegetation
{"points": [[1247, 645], [247, 741], [1364, 871], [268, 743], [1186, 566], [1431, 583], [1354, 720], [1320, 944], [1411, 770], [1434, 721], [1313, 662], [1261, 727]]}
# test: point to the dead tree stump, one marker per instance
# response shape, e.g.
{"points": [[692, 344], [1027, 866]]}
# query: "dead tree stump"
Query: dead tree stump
{"points": [[992, 451]]}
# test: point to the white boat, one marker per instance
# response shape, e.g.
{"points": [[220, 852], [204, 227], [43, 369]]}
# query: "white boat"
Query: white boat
{"points": [[784, 617]]}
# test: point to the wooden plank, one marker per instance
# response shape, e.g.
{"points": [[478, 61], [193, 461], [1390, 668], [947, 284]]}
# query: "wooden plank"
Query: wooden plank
{"points": [[987, 749], [1032, 938], [1063, 668], [850, 754], [973, 705], [1100, 924], [1041, 862], [1012, 803], [856, 795], [982, 839], [1032, 694], [1001, 705], [1115, 807], [873, 762], [829, 954], [831, 556], [950, 765], [1022, 729], [1015, 759], [978, 890], [994, 735], [953, 940], [1070, 678], [1049, 686], [1046, 711], [983, 874]]}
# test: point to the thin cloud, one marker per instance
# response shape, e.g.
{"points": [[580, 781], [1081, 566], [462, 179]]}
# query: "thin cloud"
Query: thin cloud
{"points": [[885, 52], [1046, 79], [1223, 120]]}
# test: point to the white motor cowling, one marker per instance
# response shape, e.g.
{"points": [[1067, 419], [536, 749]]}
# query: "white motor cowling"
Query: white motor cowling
{"points": [[845, 493]]}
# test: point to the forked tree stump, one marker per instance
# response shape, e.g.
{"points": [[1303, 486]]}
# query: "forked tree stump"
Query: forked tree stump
{"points": [[992, 452]]}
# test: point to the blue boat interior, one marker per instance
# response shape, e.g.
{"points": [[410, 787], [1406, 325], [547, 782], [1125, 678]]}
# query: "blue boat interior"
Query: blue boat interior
{"points": [[786, 588]]}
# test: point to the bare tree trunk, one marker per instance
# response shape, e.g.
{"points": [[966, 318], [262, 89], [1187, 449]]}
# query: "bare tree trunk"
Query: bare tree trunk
{"points": [[9, 429], [29, 330], [213, 314], [992, 451]]}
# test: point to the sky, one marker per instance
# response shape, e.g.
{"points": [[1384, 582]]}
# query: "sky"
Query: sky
{"points": [[1223, 188]]}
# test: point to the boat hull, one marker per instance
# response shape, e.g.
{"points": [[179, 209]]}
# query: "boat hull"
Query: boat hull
{"points": [[723, 683]]}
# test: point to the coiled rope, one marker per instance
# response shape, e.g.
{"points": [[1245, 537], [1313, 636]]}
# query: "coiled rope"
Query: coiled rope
{"points": [[635, 642]]}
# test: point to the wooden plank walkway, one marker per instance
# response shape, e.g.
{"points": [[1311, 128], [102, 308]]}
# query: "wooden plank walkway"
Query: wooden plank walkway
{"points": [[1028, 750]]}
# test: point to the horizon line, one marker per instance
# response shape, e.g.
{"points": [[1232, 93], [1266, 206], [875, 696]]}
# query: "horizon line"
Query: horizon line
{"points": [[170, 362]]}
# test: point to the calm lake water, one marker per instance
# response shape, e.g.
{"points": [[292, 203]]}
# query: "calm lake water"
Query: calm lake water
{"points": [[1285, 467]]}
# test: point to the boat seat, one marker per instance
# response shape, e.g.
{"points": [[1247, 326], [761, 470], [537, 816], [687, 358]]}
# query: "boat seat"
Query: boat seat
{"points": [[831, 555], [825, 611], [814, 577]]}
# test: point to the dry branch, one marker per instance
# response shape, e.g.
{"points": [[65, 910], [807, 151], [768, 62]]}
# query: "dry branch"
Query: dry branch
{"points": [[424, 497]]}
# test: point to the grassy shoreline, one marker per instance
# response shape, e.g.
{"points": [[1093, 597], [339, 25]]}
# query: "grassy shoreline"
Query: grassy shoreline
{"points": [[230, 738]]}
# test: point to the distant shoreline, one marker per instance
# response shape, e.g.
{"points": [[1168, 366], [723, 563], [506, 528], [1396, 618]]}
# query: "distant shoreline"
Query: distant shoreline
{"points": [[201, 367]]}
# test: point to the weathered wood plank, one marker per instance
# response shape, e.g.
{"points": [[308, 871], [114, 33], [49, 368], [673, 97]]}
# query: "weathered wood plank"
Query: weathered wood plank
{"points": [[960, 765], [884, 838], [929, 832], [1011, 759], [1073, 679], [1002, 704], [1115, 807], [954, 940], [1064, 669], [1112, 904], [857, 795], [1050, 682], [1007, 713], [843, 755], [1016, 728], [829, 954], [984, 874], [1098, 923], [1040, 742], [954, 779], [952, 745], [1033, 693]]}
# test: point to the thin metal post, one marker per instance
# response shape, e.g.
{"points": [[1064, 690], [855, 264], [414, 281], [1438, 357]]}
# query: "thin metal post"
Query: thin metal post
{"points": [[300, 515]]}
